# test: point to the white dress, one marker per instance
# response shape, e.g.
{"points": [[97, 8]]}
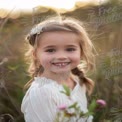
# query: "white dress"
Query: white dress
{"points": [[44, 96]]}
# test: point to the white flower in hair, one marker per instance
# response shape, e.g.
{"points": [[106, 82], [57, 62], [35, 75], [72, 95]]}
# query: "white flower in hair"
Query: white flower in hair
{"points": [[36, 30]]}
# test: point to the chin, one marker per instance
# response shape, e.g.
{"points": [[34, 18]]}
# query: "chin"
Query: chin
{"points": [[61, 71]]}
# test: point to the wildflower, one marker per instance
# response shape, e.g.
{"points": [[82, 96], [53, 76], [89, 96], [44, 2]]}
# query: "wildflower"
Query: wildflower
{"points": [[101, 103], [96, 105], [66, 113], [62, 107]]}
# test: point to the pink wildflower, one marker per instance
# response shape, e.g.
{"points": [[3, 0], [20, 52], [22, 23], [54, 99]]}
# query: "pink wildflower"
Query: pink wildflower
{"points": [[101, 103], [62, 107]]}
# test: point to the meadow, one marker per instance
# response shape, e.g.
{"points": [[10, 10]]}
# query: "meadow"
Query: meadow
{"points": [[104, 25]]}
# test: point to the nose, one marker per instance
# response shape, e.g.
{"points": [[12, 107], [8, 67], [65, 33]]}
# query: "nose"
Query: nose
{"points": [[61, 55]]}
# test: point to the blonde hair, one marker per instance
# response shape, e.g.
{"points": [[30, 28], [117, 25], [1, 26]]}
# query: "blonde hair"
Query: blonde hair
{"points": [[68, 25]]}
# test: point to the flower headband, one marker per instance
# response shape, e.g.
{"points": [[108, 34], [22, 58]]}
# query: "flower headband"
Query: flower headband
{"points": [[38, 29]]}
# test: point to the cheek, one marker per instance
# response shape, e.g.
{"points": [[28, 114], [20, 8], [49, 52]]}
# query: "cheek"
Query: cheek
{"points": [[45, 60], [76, 58], [77, 54]]}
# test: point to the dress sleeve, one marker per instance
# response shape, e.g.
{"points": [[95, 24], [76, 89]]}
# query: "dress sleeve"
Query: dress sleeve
{"points": [[38, 105]]}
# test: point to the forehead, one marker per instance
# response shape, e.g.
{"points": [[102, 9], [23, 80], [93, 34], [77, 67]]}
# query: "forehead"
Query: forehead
{"points": [[58, 38]]}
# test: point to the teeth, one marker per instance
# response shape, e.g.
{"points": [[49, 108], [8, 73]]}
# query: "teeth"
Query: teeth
{"points": [[61, 64]]}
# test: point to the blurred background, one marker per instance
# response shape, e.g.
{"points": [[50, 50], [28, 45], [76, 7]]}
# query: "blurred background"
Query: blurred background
{"points": [[103, 20]]}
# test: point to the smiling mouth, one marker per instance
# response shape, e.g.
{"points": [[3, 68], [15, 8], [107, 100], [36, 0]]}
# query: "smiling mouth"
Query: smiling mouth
{"points": [[61, 64]]}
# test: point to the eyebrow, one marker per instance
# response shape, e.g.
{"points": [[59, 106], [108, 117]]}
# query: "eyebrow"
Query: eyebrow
{"points": [[71, 46], [51, 46]]}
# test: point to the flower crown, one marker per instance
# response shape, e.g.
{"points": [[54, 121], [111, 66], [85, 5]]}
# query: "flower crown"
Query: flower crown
{"points": [[49, 27]]}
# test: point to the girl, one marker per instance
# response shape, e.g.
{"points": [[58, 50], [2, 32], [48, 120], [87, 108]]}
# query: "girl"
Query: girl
{"points": [[61, 52]]}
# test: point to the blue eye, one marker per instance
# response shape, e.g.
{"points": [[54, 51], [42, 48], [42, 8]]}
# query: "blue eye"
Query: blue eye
{"points": [[50, 50], [70, 49]]}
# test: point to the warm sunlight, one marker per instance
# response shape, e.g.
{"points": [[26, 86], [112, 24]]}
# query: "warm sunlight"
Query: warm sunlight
{"points": [[17, 6], [29, 4]]}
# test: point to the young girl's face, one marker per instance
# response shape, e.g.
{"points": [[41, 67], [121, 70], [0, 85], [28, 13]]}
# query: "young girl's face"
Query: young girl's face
{"points": [[58, 52]]}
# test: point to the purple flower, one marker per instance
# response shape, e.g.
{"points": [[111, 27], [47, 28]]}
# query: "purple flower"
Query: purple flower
{"points": [[101, 103], [62, 107]]}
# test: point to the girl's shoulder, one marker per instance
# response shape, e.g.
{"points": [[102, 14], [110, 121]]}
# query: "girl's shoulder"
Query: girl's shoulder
{"points": [[48, 86], [44, 85], [41, 90]]}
